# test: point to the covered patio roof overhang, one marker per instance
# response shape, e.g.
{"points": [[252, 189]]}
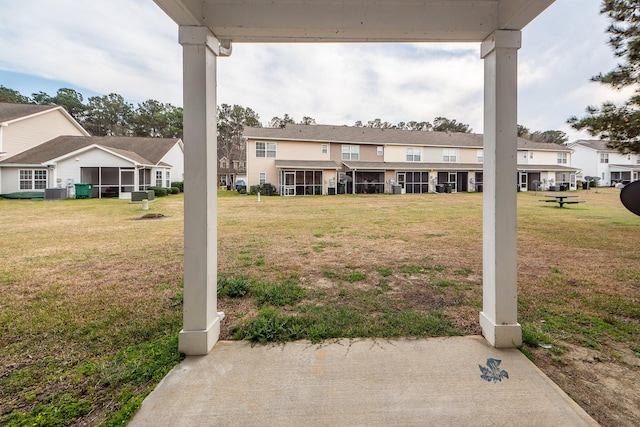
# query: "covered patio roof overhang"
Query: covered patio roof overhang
{"points": [[411, 166], [207, 29]]}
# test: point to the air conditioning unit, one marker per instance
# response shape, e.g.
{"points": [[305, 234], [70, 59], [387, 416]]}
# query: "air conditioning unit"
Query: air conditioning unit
{"points": [[55, 194]]}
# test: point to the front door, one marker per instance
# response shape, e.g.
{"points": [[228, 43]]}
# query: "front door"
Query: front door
{"points": [[289, 183]]}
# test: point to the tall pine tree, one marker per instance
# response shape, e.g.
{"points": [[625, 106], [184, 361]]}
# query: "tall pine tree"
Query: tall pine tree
{"points": [[619, 125]]}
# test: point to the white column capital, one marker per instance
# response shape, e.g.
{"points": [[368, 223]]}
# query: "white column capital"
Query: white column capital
{"points": [[506, 39], [197, 35]]}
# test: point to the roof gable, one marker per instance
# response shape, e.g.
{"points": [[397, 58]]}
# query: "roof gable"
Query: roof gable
{"points": [[12, 112], [147, 151]]}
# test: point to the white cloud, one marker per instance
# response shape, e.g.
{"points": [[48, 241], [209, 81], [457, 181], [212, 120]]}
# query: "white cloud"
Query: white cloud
{"points": [[130, 47]]}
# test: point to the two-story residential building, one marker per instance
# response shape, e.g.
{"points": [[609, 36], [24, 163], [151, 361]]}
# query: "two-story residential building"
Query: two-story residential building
{"points": [[325, 159], [595, 159], [23, 126]]}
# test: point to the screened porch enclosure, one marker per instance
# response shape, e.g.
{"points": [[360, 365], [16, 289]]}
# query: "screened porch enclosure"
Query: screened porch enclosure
{"points": [[109, 182], [301, 182]]}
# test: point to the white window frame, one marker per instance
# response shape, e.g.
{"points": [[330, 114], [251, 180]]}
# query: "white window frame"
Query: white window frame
{"points": [[262, 178], [414, 154], [562, 158], [380, 150], [168, 179], [480, 156], [638, 159], [159, 178], [350, 152], [32, 179], [266, 149], [604, 157], [325, 149], [450, 155]]}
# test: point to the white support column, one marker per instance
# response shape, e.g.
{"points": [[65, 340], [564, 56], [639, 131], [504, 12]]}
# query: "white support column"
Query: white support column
{"points": [[201, 323], [498, 318]]}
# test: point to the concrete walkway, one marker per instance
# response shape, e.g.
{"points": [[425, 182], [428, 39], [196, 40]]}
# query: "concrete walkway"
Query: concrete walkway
{"points": [[405, 382]]}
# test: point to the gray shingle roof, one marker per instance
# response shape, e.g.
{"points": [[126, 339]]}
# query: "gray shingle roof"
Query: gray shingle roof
{"points": [[148, 151], [366, 135], [595, 144], [10, 111]]}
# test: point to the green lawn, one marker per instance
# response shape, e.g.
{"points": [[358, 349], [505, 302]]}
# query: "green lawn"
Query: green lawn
{"points": [[91, 295]]}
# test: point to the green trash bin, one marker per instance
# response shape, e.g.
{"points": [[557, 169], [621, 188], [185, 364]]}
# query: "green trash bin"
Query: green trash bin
{"points": [[83, 190]]}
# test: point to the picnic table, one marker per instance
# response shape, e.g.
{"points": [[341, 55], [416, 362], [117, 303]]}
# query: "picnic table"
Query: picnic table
{"points": [[561, 199]]}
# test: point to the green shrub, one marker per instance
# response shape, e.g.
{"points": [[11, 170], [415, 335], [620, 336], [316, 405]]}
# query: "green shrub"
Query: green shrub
{"points": [[262, 189], [174, 190], [179, 185], [160, 191], [242, 189]]}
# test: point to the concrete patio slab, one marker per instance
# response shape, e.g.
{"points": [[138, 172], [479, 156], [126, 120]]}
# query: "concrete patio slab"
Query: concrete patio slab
{"points": [[451, 381]]}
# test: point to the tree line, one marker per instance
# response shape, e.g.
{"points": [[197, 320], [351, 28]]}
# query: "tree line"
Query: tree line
{"points": [[111, 115]]}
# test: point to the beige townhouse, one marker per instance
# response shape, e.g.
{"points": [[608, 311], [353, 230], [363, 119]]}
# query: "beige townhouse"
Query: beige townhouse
{"points": [[324, 159]]}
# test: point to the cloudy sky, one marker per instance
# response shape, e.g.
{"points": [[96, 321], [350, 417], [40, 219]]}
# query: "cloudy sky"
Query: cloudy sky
{"points": [[130, 47]]}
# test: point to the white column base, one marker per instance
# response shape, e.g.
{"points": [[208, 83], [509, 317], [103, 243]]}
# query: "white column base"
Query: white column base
{"points": [[501, 336], [200, 343]]}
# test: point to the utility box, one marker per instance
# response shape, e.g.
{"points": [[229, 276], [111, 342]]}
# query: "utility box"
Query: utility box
{"points": [[55, 193], [139, 196]]}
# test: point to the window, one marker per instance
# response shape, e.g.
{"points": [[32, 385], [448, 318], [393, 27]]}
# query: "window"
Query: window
{"points": [[168, 179], [263, 178], [413, 154], [480, 156], [531, 154], [604, 157], [525, 154], [638, 160], [26, 179], [380, 150], [562, 158], [224, 164], [449, 155], [325, 148], [350, 152], [266, 149], [33, 179], [158, 178]]}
